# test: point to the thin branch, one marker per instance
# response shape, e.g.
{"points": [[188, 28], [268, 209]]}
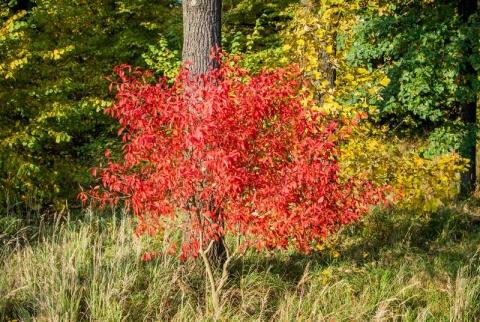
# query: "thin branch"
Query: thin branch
{"points": [[211, 279]]}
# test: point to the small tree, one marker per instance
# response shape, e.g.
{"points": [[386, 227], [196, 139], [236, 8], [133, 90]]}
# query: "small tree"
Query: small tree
{"points": [[246, 151]]}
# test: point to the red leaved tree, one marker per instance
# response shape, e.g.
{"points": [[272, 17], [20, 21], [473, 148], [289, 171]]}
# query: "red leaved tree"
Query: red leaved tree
{"points": [[240, 154]]}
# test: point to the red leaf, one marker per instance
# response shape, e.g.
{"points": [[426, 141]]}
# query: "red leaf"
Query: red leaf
{"points": [[233, 152]]}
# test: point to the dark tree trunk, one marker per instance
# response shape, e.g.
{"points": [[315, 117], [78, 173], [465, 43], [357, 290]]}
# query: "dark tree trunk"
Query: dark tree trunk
{"points": [[466, 8], [201, 34]]}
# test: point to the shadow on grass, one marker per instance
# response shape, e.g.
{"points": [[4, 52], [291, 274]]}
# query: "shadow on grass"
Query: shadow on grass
{"points": [[452, 231], [439, 244], [450, 235]]}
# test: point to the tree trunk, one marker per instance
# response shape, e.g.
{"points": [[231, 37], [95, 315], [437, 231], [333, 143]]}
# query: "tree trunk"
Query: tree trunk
{"points": [[328, 70], [467, 8], [201, 34]]}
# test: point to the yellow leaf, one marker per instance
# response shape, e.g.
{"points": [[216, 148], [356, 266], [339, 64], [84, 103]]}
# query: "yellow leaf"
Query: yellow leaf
{"points": [[362, 71], [56, 54], [349, 77], [385, 81], [320, 247], [325, 83]]}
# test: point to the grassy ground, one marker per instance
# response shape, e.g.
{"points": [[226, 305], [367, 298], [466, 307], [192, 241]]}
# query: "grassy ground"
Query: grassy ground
{"points": [[392, 266]]}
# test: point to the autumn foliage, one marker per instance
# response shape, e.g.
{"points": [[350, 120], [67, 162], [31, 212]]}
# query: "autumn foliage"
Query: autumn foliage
{"points": [[235, 153]]}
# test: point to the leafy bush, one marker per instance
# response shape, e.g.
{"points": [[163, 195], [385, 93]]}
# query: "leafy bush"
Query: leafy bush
{"points": [[230, 152]]}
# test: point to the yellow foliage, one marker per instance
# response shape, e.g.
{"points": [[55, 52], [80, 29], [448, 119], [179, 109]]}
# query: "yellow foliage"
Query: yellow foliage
{"points": [[8, 27], [419, 184], [11, 31], [311, 41], [57, 53], [385, 81]]}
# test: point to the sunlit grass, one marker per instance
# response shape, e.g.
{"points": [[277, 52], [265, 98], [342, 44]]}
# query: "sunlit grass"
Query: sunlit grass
{"points": [[393, 266]]}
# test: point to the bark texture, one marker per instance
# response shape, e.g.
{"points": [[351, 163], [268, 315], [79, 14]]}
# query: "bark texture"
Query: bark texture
{"points": [[201, 32]]}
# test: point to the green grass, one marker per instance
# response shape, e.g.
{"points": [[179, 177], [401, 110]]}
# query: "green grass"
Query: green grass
{"points": [[392, 266]]}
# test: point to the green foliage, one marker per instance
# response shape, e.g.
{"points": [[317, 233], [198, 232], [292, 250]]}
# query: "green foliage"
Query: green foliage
{"points": [[422, 46], [162, 60], [253, 27], [443, 139], [52, 86]]}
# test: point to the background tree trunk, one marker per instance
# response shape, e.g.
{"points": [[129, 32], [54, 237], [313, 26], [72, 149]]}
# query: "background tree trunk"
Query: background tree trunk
{"points": [[466, 8], [202, 33]]}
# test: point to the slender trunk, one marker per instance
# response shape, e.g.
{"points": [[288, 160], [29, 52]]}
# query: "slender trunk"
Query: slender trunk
{"points": [[466, 8], [327, 68]]}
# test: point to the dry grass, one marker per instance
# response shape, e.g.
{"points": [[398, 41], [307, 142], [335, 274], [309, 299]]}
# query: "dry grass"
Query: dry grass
{"points": [[392, 267]]}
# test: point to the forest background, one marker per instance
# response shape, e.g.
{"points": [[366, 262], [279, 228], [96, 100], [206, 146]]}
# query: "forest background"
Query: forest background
{"points": [[412, 67]]}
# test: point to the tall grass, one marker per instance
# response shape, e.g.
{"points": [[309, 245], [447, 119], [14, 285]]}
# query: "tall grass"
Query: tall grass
{"points": [[86, 271], [406, 293], [390, 267]]}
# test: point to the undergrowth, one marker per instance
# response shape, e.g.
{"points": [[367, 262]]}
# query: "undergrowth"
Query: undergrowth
{"points": [[391, 266]]}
